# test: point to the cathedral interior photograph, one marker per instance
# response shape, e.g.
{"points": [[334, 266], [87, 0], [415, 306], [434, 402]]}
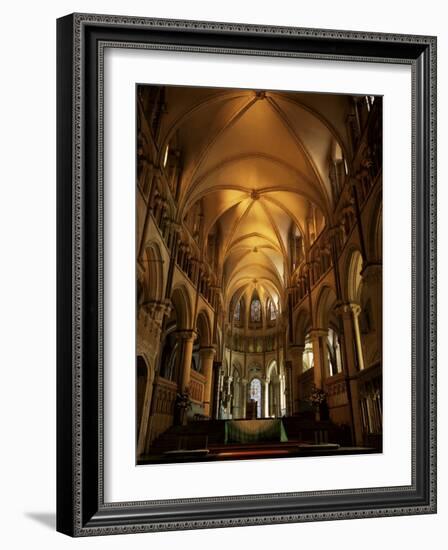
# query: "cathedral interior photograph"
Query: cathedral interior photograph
{"points": [[258, 274]]}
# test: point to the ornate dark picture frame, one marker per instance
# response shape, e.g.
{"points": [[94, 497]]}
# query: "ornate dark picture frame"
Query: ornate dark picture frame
{"points": [[81, 509]]}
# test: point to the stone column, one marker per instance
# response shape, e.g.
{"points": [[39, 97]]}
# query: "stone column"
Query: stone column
{"points": [[356, 310], [320, 360], [282, 390], [345, 312], [244, 383], [216, 387], [236, 398], [289, 407], [206, 356], [372, 277], [349, 314], [186, 339], [143, 434], [265, 403], [276, 392], [296, 355]]}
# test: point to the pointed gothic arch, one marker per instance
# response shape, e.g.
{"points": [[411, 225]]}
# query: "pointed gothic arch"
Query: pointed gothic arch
{"points": [[180, 299], [325, 303], [153, 281]]}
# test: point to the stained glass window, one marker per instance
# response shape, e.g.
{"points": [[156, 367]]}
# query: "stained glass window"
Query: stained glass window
{"points": [[255, 310], [255, 394], [237, 313]]}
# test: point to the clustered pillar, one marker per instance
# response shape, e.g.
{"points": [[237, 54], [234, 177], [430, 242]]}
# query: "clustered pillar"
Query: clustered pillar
{"points": [[265, 401], [186, 339], [349, 313], [244, 383], [296, 354], [372, 280], [318, 339], [206, 356]]}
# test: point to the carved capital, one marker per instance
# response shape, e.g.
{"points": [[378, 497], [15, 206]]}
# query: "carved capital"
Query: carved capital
{"points": [[186, 335], [207, 353], [296, 349], [348, 309], [318, 333], [372, 272], [157, 309]]}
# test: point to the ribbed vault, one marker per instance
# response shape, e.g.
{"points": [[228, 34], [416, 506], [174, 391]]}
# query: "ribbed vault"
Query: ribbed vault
{"points": [[257, 164]]}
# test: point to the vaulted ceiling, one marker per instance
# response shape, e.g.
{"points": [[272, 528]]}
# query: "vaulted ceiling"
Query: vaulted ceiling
{"points": [[259, 163]]}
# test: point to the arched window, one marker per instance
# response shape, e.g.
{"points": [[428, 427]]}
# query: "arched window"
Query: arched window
{"points": [[334, 353], [272, 311], [196, 361], [255, 394], [169, 359], [255, 310], [237, 313], [308, 356]]}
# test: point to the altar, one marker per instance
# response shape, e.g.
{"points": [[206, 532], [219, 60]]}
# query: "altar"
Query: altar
{"points": [[261, 430]]}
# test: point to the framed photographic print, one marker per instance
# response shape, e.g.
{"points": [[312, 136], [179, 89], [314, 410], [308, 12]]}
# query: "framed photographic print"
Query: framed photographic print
{"points": [[246, 274]]}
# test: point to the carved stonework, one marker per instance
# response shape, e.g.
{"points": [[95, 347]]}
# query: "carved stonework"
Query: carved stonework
{"points": [[153, 313], [348, 309]]}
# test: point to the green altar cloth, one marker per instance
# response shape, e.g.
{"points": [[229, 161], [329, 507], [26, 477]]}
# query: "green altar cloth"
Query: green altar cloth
{"points": [[255, 431]]}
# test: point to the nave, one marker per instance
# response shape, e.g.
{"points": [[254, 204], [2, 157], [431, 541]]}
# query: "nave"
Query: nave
{"points": [[259, 274]]}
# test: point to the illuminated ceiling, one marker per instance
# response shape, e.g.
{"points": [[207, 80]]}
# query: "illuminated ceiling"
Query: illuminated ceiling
{"points": [[259, 162]]}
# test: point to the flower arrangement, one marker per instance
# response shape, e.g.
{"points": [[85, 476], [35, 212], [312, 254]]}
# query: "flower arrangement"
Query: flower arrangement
{"points": [[183, 400], [183, 404], [317, 397]]}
